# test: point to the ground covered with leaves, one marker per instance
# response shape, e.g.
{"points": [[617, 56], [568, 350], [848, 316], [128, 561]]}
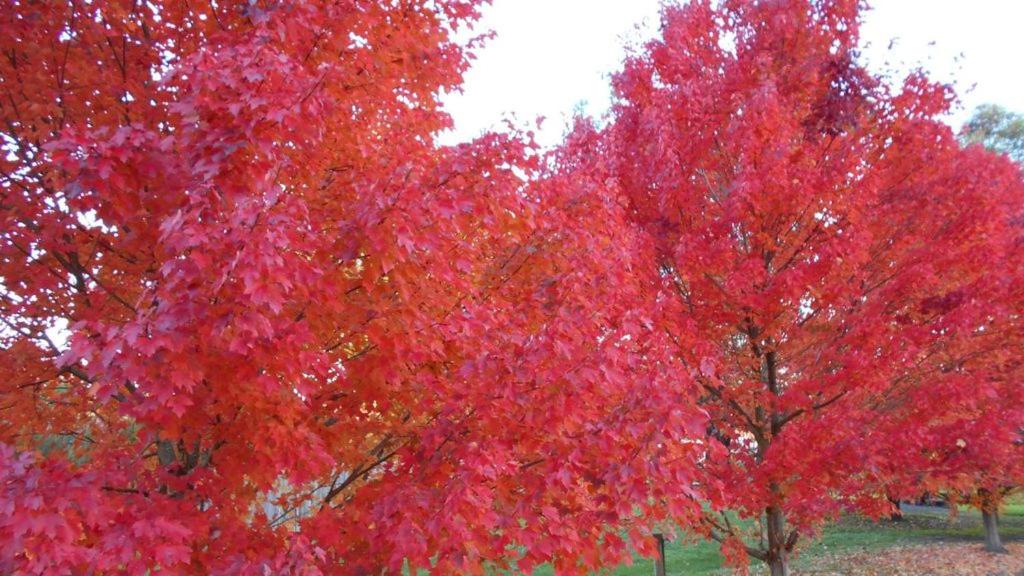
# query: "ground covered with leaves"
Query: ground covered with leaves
{"points": [[936, 559], [929, 541]]}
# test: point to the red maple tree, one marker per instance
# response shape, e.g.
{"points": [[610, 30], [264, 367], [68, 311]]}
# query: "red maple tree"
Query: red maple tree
{"points": [[258, 321], [973, 452], [821, 239]]}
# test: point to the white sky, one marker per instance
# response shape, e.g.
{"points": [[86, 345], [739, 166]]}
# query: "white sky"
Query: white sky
{"points": [[551, 56]]}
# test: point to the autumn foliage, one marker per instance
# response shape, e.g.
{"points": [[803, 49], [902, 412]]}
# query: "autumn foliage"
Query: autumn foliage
{"points": [[840, 277], [256, 320]]}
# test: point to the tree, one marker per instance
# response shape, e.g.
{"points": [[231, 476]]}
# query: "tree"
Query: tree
{"points": [[972, 453], [984, 472], [275, 328], [820, 236], [996, 128], [982, 466], [975, 455]]}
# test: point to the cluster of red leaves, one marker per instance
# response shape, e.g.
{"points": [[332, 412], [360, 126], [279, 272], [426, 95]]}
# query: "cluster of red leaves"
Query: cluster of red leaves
{"points": [[54, 517]]}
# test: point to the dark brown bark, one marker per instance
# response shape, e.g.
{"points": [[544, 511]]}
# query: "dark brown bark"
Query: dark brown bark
{"points": [[993, 543], [778, 568], [778, 547], [659, 559], [897, 512]]}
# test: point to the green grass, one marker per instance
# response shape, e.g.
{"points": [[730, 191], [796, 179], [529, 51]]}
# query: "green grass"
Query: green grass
{"points": [[849, 534], [1014, 506], [691, 558]]}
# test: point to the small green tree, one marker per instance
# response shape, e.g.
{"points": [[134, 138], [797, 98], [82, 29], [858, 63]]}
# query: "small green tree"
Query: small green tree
{"points": [[996, 128]]}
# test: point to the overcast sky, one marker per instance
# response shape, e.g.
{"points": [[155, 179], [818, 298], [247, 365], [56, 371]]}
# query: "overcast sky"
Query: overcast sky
{"points": [[551, 56]]}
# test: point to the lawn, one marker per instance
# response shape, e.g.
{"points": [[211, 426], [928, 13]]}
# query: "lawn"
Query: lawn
{"points": [[849, 535]]}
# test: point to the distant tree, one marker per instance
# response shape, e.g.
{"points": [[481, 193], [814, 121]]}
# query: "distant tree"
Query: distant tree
{"points": [[973, 454], [996, 128], [985, 465]]}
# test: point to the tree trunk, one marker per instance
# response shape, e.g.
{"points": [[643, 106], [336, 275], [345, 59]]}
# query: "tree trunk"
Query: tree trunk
{"points": [[778, 567], [659, 559], [897, 511], [993, 543], [778, 552]]}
